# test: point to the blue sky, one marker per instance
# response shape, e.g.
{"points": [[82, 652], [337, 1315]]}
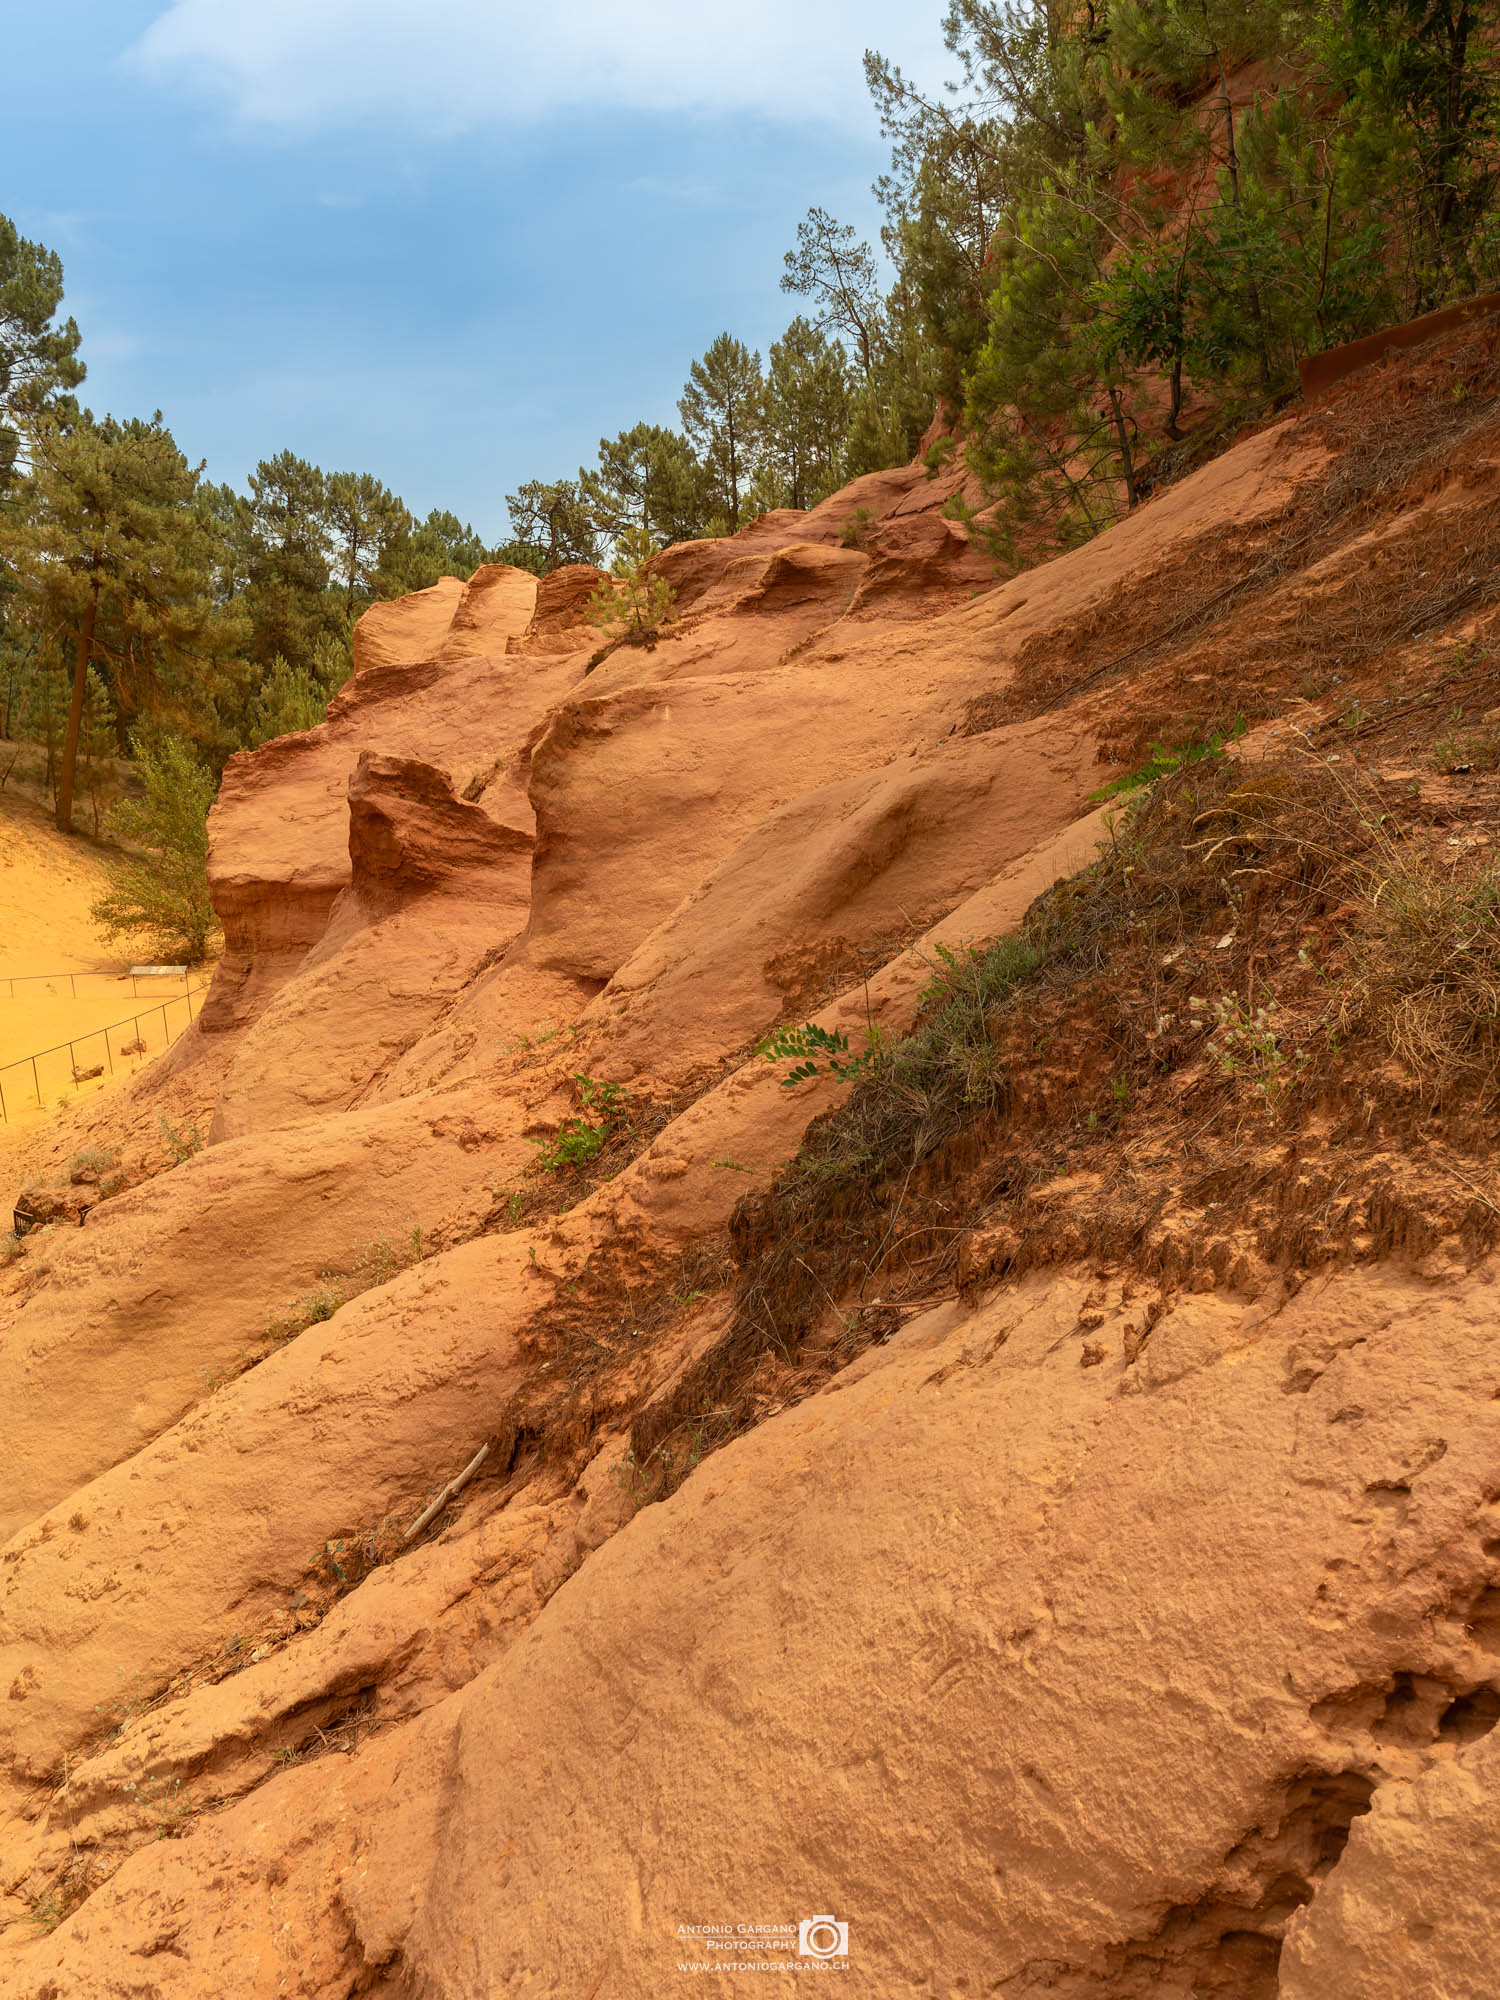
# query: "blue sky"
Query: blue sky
{"points": [[449, 242]]}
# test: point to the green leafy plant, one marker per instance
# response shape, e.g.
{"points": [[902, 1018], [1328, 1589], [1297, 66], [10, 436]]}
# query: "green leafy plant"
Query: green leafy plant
{"points": [[179, 1143], [579, 1140], [808, 1046], [321, 1302], [1246, 1043], [514, 1200], [1166, 758], [1475, 750], [855, 529]]}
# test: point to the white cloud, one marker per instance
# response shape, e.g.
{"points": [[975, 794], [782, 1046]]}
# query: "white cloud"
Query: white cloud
{"points": [[440, 67], [104, 346]]}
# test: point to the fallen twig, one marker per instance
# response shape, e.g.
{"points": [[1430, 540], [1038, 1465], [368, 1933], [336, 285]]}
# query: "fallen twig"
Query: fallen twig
{"points": [[1459, 1175], [454, 1486]]}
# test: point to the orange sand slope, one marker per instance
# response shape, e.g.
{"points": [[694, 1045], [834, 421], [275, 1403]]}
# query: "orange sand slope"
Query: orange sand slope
{"points": [[61, 982], [1118, 1627], [47, 883]]}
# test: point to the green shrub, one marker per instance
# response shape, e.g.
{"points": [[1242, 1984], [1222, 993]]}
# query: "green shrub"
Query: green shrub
{"points": [[636, 612], [579, 1140], [855, 529], [162, 894], [181, 1145], [805, 1045], [1167, 758]]}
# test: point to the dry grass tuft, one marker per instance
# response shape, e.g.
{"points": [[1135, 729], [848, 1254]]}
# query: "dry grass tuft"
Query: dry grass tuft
{"points": [[1427, 973], [1261, 937]]}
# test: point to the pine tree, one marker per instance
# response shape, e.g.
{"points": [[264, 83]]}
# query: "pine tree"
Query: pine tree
{"points": [[832, 267], [288, 594], [634, 609], [290, 699], [97, 776], [43, 705], [806, 417], [363, 518], [943, 199], [115, 561], [1423, 79], [892, 405], [442, 545], [722, 411], [39, 364], [647, 479], [552, 525]]}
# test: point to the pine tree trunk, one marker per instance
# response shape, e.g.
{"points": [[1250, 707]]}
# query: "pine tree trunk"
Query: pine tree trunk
{"points": [[75, 715], [1127, 459], [1232, 162]]}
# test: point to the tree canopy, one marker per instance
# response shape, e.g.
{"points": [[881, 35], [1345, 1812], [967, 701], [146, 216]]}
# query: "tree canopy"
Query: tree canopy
{"points": [[723, 415], [39, 365]]}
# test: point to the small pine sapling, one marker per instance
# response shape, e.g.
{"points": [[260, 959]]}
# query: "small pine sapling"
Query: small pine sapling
{"points": [[635, 613]]}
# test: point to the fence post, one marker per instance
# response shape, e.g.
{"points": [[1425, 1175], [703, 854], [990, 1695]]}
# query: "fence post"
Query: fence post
{"points": [[37, 1081], [4, 1114]]}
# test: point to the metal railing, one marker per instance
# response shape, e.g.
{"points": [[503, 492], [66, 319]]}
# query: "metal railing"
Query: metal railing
{"points": [[152, 1031], [56, 978]]}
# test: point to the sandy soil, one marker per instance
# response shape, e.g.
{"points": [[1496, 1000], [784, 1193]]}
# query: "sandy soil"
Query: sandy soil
{"points": [[61, 981], [47, 883]]}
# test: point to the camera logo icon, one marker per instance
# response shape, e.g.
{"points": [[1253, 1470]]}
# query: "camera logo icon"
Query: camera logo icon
{"points": [[822, 1937]]}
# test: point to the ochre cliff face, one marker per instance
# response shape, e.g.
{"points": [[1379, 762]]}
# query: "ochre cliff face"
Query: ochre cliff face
{"points": [[1099, 1625]]}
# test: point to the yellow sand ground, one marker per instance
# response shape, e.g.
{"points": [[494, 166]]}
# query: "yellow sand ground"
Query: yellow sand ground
{"points": [[47, 883]]}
